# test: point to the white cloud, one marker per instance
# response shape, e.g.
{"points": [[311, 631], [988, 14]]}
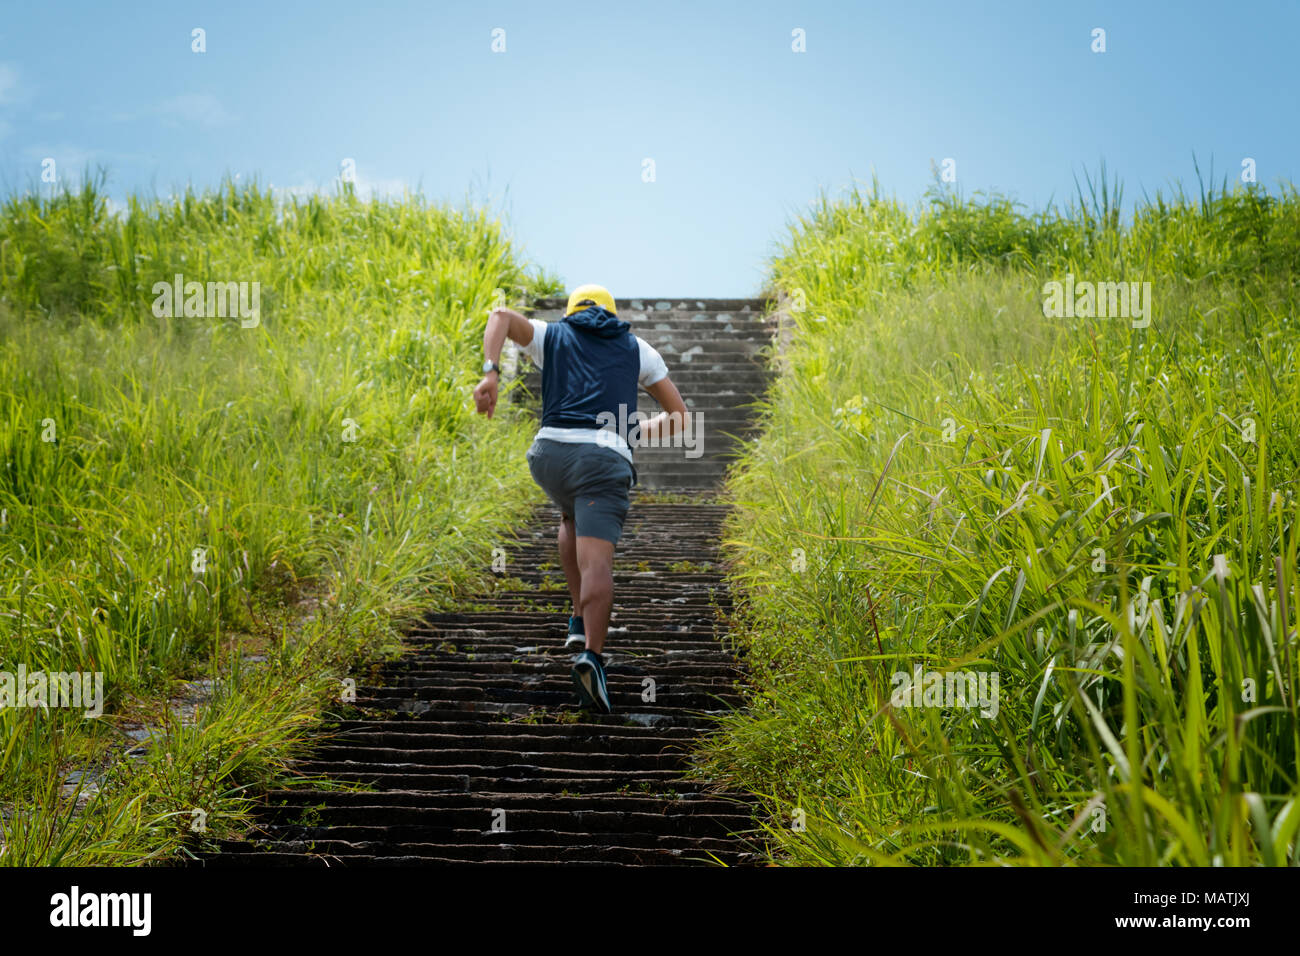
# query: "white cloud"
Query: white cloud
{"points": [[68, 159], [8, 82], [366, 189], [71, 162], [203, 109]]}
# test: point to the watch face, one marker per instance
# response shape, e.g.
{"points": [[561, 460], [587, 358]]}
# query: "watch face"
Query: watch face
{"points": [[488, 366]]}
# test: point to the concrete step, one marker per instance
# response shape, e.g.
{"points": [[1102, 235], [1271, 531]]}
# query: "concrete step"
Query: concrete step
{"points": [[667, 305], [260, 855], [752, 334], [698, 349], [751, 371]]}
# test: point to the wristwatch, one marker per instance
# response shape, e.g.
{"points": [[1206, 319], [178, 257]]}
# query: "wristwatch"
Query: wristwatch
{"points": [[491, 366]]}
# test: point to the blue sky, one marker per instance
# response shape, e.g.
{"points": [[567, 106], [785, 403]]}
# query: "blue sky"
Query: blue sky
{"points": [[743, 131]]}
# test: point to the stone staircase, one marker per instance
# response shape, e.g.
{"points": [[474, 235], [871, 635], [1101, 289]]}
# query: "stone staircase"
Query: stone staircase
{"points": [[471, 744], [712, 348]]}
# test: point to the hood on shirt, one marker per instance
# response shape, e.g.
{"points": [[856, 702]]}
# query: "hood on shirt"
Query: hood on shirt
{"points": [[598, 321]]}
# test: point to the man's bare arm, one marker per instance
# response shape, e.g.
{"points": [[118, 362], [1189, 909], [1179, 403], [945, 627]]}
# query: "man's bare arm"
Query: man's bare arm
{"points": [[673, 416], [500, 324], [503, 323]]}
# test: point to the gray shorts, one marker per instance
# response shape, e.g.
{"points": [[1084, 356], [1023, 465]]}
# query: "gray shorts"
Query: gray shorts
{"points": [[587, 482]]}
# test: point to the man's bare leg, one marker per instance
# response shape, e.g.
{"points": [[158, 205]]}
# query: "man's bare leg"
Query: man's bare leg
{"points": [[596, 566], [569, 561]]}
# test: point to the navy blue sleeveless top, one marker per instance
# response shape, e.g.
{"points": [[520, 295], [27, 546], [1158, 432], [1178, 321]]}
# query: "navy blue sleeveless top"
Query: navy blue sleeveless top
{"points": [[590, 365]]}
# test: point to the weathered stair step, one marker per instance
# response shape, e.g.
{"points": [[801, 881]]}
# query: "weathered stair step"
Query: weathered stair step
{"points": [[592, 854], [619, 683], [466, 756], [488, 713], [368, 806], [525, 777], [401, 841], [418, 825], [658, 784]]}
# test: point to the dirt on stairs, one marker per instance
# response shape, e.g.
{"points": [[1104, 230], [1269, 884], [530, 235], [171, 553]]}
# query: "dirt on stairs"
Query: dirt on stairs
{"points": [[472, 743]]}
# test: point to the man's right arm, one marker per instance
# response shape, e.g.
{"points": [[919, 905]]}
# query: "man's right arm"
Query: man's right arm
{"points": [[500, 324]]}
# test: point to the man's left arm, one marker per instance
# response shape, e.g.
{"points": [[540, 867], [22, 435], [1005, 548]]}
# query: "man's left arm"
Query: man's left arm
{"points": [[654, 379]]}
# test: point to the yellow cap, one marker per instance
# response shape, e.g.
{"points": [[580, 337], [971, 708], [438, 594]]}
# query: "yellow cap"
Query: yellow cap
{"points": [[586, 295]]}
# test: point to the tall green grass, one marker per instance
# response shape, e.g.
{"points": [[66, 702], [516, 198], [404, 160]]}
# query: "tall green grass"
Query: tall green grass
{"points": [[1102, 515], [327, 463]]}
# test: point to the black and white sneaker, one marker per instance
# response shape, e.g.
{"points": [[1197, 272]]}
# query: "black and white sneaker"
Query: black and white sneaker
{"points": [[589, 678], [576, 639]]}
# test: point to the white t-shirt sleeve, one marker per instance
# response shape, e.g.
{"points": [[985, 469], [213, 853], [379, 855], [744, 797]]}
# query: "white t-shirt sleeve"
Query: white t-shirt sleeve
{"points": [[534, 348], [653, 367]]}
